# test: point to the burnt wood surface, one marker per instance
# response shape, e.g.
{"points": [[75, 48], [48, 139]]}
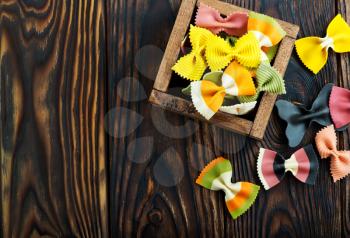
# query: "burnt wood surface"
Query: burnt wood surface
{"points": [[84, 154], [53, 156]]}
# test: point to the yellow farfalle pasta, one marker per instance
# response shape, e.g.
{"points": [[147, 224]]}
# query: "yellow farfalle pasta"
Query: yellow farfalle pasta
{"points": [[193, 65], [219, 53], [313, 51]]}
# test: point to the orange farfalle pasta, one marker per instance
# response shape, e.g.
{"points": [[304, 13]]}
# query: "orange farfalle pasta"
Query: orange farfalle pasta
{"points": [[326, 142], [268, 32], [208, 97], [266, 29]]}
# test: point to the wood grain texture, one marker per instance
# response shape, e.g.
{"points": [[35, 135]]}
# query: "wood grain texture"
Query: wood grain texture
{"points": [[141, 206], [174, 43], [52, 71], [292, 205], [54, 59], [343, 80]]}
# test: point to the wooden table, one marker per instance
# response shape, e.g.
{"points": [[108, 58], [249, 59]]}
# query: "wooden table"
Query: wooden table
{"points": [[66, 67]]}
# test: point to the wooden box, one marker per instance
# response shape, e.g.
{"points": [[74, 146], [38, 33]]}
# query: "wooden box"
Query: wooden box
{"points": [[254, 128]]}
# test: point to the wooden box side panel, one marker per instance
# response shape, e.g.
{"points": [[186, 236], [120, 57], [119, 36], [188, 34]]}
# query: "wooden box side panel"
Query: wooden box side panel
{"points": [[268, 100], [184, 107], [172, 51]]}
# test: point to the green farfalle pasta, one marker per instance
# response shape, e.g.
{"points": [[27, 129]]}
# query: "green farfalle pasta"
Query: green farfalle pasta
{"points": [[268, 79]]}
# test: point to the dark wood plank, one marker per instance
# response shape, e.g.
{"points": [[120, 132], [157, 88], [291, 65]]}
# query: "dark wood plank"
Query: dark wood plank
{"points": [[52, 71], [172, 51], [343, 80], [165, 145], [292, 207], [139, 205]]}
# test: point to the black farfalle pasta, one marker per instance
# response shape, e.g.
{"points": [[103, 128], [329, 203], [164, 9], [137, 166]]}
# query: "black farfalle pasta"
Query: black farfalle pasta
{"points": [[299, 117]]}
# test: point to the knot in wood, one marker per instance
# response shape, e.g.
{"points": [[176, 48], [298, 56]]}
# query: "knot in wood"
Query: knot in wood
{"points": [[155, 216]]}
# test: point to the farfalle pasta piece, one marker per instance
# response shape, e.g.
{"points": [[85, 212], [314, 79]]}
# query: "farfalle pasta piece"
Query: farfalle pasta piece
{"points": [[268, 32], [208, 95], [235, 24], [270, 53], [239, 109], [219, 52], [193, 65], [313, 51], [326, 142], [339, 106], [272, 167], [269, 80], [214, 77], [299, 118], [239, 196], [266, 29]]}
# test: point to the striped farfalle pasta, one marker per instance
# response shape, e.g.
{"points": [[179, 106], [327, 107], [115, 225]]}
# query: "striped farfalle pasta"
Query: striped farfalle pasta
{"points": [[239, 196]]}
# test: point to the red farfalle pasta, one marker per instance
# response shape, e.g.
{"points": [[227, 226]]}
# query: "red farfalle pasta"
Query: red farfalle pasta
{"points": [[272, 167], [339, 106], [210, 18], [326, 142]]}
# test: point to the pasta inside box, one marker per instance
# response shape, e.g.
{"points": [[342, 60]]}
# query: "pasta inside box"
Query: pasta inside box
{"points": [[225, 65]]}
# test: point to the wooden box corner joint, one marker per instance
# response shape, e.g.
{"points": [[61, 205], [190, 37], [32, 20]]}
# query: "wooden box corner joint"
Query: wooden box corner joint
{"points": [[160, 97]]}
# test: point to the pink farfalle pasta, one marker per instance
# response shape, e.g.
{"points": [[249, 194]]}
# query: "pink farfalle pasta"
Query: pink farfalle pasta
{"points": [[326, 142], [339, 106], [235, 24], [272, 167]]}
